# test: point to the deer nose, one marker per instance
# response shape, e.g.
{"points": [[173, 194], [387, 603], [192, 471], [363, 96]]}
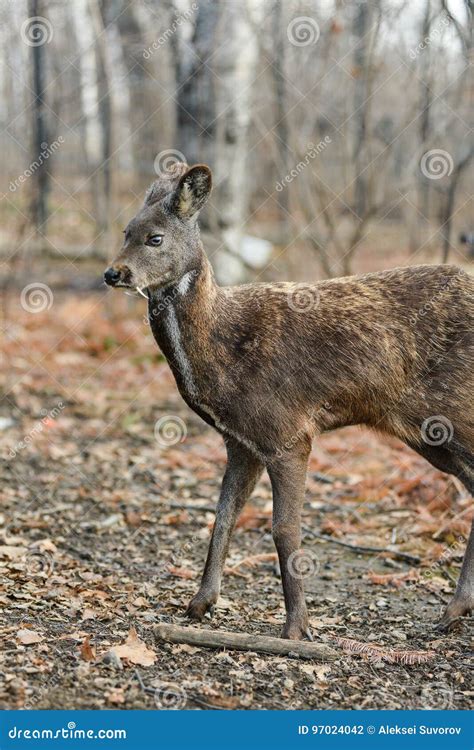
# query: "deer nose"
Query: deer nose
{"points": [[111, 276]]}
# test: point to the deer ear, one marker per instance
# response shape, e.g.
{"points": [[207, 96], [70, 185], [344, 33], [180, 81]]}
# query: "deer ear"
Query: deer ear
{"points": [[192, 191]]}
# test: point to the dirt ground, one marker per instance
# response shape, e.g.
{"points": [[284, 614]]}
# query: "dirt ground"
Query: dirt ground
{"points": [[105, 518]]}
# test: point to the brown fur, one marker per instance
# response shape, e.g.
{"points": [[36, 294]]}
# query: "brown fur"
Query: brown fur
{"points": [[272, 365]]}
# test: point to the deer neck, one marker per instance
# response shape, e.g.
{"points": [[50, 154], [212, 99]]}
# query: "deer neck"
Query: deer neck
{"points": [[181, 318]]}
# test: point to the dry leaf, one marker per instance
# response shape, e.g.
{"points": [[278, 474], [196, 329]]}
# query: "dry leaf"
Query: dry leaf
{"points": [[181, 572], [89, 614], [87, 652], [395, 579], [27, 637], [77, 635], [136, 651], [322, 671], [250, 562], [10, 552], [140, 601], [116, 696]]}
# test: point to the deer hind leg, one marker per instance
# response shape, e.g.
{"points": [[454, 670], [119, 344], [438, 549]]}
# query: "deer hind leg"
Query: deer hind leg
{"points": [[287, 476], [460, 462], [241, 475], [462, 602]]}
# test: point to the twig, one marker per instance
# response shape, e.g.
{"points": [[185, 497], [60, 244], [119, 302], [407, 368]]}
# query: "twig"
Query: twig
{"points": [[140, 681], [250, 562], [367, 550], [243, 642], [445, 526], [324, 478]]}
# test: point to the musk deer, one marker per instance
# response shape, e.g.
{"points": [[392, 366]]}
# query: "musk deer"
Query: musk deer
{"points": [[271, 366]]}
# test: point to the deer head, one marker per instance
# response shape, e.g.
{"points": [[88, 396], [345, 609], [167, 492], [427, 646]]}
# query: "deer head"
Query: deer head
{"points": [[162, 241]]}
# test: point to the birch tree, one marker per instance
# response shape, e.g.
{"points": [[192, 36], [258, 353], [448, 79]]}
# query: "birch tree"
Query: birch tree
{"points": [[216, 73]]}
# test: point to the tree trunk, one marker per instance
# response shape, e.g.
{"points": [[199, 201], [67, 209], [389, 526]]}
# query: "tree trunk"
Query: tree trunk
{"points": [[448, 210], [425, 99], [236, 61], [41, 180], [143, 91], [281, 107], [103, 175], [214, 104], [360, 28], [196, 112]]}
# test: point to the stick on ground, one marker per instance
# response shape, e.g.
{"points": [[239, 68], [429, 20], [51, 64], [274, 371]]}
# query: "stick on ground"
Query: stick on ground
{"points": [[243, 642], [363, 548]]}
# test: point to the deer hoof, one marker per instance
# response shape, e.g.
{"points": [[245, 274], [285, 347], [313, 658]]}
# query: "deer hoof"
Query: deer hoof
{"points": [[295, 632], [198, 607], [461, 605]]}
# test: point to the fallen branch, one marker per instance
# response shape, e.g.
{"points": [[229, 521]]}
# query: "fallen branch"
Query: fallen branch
{"points": [[366, 550], [243, 642]]}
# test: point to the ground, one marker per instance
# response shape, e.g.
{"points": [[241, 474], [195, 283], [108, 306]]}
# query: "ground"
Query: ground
{"points": [[105, 518]]}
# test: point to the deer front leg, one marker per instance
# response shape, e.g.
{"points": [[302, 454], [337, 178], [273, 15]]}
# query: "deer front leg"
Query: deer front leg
{"points": [[241, 475], [288, 481]]}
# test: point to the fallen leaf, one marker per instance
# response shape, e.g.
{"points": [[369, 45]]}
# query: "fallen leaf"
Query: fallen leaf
{"points": [[181, 572], [250, 562], [394, 579], [10, 552], [322, 671], [27, 637], [140, 601], [116, 696], [136, 651], [89, 614], [87, 652], [77, 635]]}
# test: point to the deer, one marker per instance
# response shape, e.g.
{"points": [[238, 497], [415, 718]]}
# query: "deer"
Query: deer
{"points": [[271, 366]]}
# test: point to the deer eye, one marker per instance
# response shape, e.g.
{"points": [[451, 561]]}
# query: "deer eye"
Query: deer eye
{"points": [[155, 240]]}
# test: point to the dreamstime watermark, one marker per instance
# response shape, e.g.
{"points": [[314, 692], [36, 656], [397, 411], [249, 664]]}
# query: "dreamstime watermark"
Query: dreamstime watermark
{"points": [[36, 430], [314, 424], [436, 567], [437, 697], [47, 149], [436, 164], [170, 430], [312, 151], [170, 697], [38, 563], [70, 732], [166, 159], [429, 306], [303, 564], [433, 36], [437, 430], [36, 31], [302, 31], [166, 35], [36, 297], [51, 684], [303, 299]]}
